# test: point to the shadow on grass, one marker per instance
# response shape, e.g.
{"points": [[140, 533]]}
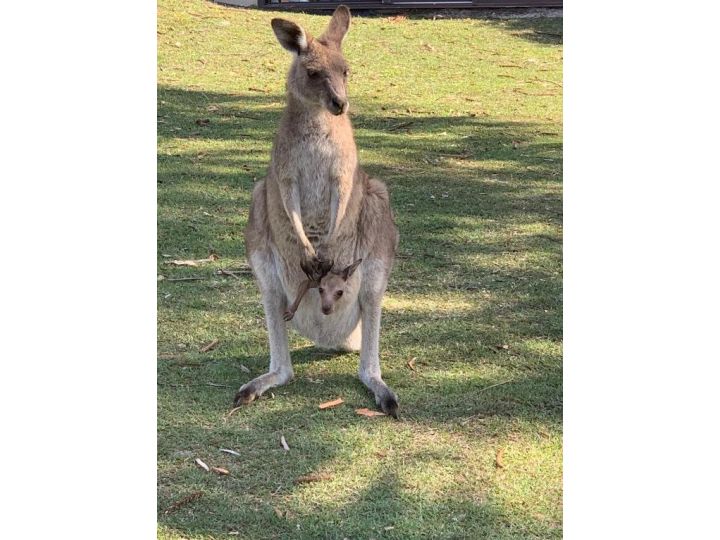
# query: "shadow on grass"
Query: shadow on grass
{"points": [[468, 193], [386, 498]]}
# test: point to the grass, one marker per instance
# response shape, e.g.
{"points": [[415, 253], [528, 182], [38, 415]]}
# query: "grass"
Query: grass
{"points": [[462, 117]]}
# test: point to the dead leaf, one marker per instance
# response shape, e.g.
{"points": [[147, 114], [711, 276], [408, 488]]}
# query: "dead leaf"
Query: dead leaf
{"points": [[209, 346], [244, 369], [278, 512], [185, 500], [367, 412], [200, 463], [232, 452], [502, 347], [499, 458], [317, 477], [380, 455], [284, 443], [212, 108], [329, 404], [202, 121], [411, 363], [220, 470]]}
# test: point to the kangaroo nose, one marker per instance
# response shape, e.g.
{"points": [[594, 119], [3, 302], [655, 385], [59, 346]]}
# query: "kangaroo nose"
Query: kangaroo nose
{"points": [[338, 105], [326, 310]]}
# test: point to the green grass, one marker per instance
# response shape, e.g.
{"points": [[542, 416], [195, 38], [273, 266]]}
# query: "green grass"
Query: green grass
{"points": [[475, 181]]}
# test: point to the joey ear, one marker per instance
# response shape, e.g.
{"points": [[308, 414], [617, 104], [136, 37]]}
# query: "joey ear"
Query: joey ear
{"points": [[325, 267], [350, 269], [291, 36], [339, 25]]}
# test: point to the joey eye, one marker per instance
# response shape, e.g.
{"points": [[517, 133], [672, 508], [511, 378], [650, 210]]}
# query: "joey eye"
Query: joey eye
{"points": [[339, 294], [313, 74], [345, 73], [321, 290]]}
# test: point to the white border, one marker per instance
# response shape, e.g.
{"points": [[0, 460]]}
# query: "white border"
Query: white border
{"points": [[641, 295], [77, 213]]}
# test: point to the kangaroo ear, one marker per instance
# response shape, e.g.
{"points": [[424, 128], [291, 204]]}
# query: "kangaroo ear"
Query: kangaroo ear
{"points": [[338, 26], [350, 269], [290, 35]]}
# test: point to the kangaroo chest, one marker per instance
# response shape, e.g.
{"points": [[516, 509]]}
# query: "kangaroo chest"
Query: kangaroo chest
{"points": [[312, 162]]}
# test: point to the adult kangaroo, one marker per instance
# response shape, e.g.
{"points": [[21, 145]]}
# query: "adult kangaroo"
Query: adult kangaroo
{"points": [[317, 205]]}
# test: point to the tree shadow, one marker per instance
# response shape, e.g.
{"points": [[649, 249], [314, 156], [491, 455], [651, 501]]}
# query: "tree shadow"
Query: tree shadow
{"points": [[469, 193]]}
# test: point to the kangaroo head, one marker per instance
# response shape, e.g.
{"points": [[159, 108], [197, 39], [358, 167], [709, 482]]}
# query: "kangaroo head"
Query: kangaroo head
{"points": [[334, 285], [318, 75]]}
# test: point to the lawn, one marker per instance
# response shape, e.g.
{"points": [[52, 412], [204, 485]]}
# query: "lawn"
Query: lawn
{"points": [[462, 118]]}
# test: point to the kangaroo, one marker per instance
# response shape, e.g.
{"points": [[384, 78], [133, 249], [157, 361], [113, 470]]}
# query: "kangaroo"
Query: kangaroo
{"points": [[332, 287], [316, 205]]}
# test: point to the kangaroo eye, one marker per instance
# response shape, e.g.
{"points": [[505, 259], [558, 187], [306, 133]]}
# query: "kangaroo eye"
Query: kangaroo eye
{"points": [[345, 73], [321, 290], [339, 294], [313, 74]]}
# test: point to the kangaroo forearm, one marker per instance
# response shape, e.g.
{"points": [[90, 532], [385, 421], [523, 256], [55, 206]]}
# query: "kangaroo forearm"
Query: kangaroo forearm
{"points": [[304, 286], [339, 200], [290, 195]]}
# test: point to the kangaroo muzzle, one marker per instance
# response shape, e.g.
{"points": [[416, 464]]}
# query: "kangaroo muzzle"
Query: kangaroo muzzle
{"points": [[337, 105]]}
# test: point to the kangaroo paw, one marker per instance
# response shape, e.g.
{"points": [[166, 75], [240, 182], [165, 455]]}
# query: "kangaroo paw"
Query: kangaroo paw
{"points": [[245, 395], [389, 405]]}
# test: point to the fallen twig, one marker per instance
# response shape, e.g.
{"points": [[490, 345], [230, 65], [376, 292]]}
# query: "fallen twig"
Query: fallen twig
{"points": [[222, 272], [209, 346], [185, 500], [317, 477], [494, 385], [194, 262], [227, 451], [284, 443], [200, 463], [546, 81], [233, 411], [523, 92], [194, 278], [218, 385], [400, 125], [411, 363], [238, 115]]}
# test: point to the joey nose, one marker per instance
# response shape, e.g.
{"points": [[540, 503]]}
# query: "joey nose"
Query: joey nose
{"points": [[326, 310]]}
